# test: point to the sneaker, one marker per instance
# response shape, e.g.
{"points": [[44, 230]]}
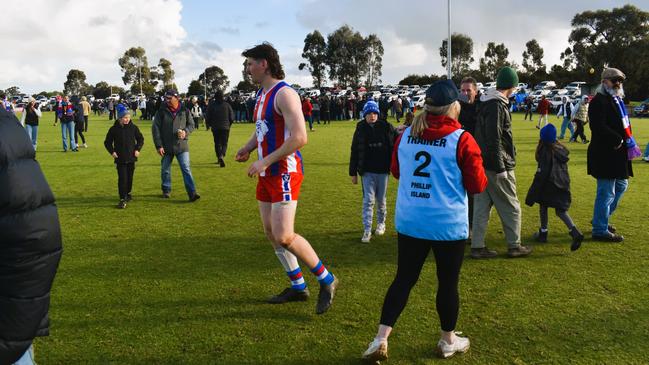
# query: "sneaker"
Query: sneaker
{"points": [[194, 197], [221, 162], [446, 350], [519, 251], [129, 197], [645, 159], [585, 141], [166, 195], [85, 145], [75, 150], [540, 236], [611, 237], [611, 229], [483, 253], [577, 238], [289, 295], [122, 204], [367, 235], [326, 296], [376, 351], [380, 229]]}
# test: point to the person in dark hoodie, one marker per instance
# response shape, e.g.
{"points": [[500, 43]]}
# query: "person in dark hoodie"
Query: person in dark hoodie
{"points": [[220, 117], [79, 122], [494, 135], [31, 245], [469, 101], [124, 143], [551, 185], [437, 164], [370, 158]]}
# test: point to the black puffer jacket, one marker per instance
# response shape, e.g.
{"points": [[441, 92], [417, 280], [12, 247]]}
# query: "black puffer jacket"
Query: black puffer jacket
{"points": [[220, 115], [372, 147], [30, 247]]}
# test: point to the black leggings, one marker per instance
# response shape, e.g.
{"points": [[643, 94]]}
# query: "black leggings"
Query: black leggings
{"points": [[125, 178], [412, 255], [580, 131], [562, 214], [221, 137], [78, 132]]}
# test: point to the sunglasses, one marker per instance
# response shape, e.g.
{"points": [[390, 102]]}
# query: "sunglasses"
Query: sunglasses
{"points": [[617, 80]]}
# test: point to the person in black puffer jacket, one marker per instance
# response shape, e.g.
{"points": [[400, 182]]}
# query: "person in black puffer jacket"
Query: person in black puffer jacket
{"points": [[220, 117], [124, 142], [30, 248]]}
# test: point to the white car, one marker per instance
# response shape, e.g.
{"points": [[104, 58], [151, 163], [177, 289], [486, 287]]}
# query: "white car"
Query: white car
{"points": [[374, 94], [114, 97], [419, 100], [575, 85], [489, 85], [546, 85]]}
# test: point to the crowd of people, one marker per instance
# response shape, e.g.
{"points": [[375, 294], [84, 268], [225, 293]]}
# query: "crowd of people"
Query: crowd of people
{"points": [[454, 162]]}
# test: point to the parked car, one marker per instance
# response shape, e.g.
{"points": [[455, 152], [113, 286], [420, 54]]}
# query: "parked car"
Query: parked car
{"points": [[575, 85], [546, 85], [114, 97], [489, 85], [642, 110], [419, 100]]}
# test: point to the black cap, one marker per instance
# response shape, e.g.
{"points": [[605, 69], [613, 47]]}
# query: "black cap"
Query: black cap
{"points": [[442, 93], [171, 92]]}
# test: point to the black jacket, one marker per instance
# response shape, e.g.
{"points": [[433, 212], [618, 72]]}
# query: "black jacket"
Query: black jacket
{"points": [[165, 126], [493, 133], [604, 161], [551, 184], [220, 115], [468, 116], [379, 138], [30, 247], [124, 140]]}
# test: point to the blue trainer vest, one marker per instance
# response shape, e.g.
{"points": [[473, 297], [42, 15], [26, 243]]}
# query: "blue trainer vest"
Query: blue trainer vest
{"points": [[431, 201]]}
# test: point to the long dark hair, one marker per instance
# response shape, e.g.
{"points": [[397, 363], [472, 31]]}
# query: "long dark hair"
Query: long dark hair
{"points": [[551, 146], [266, 51]]}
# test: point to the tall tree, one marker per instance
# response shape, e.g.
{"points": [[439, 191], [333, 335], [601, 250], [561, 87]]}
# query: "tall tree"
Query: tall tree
{"points": [[165, 72], [315, 52], [195, 88], [495, 57], [11, 91], [533, 57], [374, 51], [75, 83], [461, 54], [346, 56], [135, 68], [215, 79]]}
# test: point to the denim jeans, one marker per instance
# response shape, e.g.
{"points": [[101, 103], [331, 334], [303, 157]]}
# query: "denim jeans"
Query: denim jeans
{"points": [[567, 124], [309, 119], [32, 132], [375, 187], [183, 161], [609, 193], [646, 151], [27, 358], [67, 134]]}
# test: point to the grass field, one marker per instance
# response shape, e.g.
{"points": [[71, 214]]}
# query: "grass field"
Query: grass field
{"points": [[172, 282]]}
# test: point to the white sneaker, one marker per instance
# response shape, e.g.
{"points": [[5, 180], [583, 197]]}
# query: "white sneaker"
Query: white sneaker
{"points": [[646, 159], [85, 145], [446, 350], [380, 229], [367, 235], [377, 351]]}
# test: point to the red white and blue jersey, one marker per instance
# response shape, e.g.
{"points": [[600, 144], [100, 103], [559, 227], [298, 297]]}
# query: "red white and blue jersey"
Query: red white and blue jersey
{"points": [[272, 132]]}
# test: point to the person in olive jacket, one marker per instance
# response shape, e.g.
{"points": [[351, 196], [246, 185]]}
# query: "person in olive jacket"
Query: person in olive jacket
{"points": [[30, 247], [124, 142], [171, 127]]}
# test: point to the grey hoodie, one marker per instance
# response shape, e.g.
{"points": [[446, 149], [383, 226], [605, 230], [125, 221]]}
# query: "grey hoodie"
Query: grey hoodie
{"points": [[494, 132]]}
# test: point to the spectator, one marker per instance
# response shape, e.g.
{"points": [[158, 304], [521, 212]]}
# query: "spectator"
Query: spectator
{"points": [[142, 106], [171, 127], [580, 118], [78, 124], [494, 135], [566, 110], [31, 245], [29, 119], [468, 120], [529, 104], [220, 117], [86, 112], [67, 125], [325, 105], [316, 110], [307, 110], [543, 109], [196, 112]]}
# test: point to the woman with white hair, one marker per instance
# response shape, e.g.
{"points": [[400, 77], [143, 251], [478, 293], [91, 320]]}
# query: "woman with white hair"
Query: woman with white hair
{"points": [[580, 118], [437, 164], [29, 119], [196, 112]]}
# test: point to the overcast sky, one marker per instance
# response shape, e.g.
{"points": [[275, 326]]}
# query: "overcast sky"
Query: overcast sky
{"points": [[44, 39]]}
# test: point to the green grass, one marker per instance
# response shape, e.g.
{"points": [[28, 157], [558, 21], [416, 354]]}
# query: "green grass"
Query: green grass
{"points": [[172, 282]]}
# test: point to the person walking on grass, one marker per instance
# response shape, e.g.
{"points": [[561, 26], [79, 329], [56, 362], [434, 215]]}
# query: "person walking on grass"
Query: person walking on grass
{"points": [[566, 110], [437, 164], [79, 121], [220, 117], [610, 152], [371, 152], [31, 115], [551, 186], [124, 143], [197, 112], [86, 112], [494, 135], [67, 125], [528, 108], [279, 133], [171, 127], [307, 110], [543, 109], [580, 118], [30, 248]]}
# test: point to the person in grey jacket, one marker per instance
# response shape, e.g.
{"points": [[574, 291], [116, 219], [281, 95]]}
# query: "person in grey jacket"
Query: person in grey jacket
{"points": [[220, 117], [171, 127], [494, 136]]}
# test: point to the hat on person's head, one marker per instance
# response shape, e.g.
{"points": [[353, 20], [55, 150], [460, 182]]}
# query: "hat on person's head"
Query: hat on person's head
{"points": [[442, 93], [612, 73], [549, 133], [83, 98], [370, 107], [31, 99], [171, 92], [122, 111], [506, 79]]}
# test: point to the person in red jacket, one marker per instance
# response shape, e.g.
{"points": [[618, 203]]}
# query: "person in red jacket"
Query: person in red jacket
{"points": [[543, 109], [307, 110], [437, 164]]}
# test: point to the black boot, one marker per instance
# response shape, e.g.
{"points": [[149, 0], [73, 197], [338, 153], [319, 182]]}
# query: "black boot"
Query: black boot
{"points": [[541, 236], [577, 238]]}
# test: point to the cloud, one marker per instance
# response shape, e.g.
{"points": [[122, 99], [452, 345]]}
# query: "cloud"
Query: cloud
{"points": [[226, 30]]}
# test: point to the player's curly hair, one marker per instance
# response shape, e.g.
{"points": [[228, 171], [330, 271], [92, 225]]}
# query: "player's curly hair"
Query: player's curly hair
{"points": [[266, 51]]}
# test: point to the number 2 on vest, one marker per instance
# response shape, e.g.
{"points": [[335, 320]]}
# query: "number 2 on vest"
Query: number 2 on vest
{"points": [[418, 170]]}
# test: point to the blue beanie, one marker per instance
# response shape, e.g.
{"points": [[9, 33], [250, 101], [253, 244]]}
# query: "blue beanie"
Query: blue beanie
{"points": [[549, 133], [122, 111], [370, 107], [442, 93]]}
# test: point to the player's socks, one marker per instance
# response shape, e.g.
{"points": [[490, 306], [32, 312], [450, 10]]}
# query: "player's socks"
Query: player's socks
{"points": [[292, 268], [323, 275]]}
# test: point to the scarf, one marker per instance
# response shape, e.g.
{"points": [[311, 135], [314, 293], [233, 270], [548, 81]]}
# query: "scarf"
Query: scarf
{"points": [[633, 150], [172, 110]]}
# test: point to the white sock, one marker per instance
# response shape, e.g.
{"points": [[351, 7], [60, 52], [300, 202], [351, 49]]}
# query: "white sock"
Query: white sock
{"points": [[287, 259]]}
